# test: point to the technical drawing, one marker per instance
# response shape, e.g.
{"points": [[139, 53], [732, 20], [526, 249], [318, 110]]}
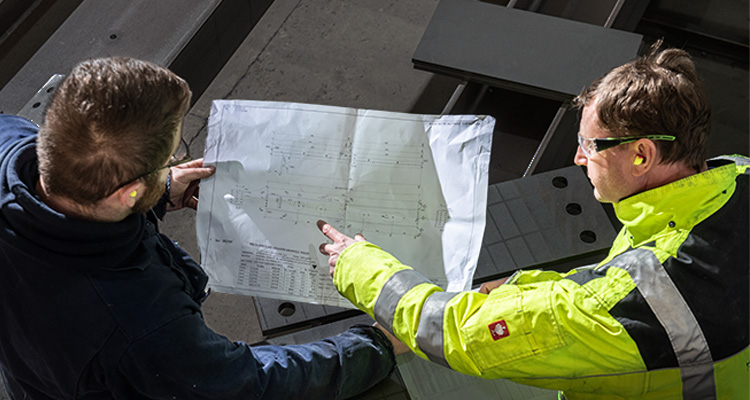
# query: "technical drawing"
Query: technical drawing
{"points": [[376, 205], [283, 167]]}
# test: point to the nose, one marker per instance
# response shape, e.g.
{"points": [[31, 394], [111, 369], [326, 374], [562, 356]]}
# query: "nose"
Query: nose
{"points": [[580, 158]]}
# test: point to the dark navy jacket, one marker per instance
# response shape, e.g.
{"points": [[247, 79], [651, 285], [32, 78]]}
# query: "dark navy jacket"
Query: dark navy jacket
{"points": [[93, 310]]}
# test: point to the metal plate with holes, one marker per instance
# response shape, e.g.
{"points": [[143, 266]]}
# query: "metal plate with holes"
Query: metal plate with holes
{"points": [[549, 220], [35, 108]]}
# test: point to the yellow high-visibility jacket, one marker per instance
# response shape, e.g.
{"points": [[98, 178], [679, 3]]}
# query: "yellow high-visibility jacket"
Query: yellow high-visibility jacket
{"points": [[664, 316]]}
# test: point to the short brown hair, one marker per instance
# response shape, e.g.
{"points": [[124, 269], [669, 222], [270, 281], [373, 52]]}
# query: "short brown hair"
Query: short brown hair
{"points": [[111, 120], [659, 93]]}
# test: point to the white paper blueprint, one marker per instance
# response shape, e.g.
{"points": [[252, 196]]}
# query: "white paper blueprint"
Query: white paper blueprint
{"points": [[429, 381], [416, 185]]}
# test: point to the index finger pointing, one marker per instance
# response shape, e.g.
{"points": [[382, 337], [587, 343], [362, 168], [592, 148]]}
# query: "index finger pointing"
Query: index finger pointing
{"points": [[330, 231]]}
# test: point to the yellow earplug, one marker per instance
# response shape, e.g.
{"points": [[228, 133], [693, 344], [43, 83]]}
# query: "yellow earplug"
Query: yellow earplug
{"points": [[638, 160], [133, 193]]}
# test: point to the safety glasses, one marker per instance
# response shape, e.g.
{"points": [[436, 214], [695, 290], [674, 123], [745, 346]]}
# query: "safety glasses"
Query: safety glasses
{"points": [[595, 145]]}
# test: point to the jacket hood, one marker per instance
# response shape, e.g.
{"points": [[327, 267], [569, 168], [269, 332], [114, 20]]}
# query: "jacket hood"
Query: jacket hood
{"points": [[31, 225]]}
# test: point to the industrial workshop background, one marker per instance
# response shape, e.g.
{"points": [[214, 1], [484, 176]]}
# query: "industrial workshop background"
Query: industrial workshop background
{"points": [[420, 56]]}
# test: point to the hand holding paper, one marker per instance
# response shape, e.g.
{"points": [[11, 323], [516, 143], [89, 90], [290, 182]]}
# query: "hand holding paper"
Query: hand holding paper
{"points": [[183, 190]]}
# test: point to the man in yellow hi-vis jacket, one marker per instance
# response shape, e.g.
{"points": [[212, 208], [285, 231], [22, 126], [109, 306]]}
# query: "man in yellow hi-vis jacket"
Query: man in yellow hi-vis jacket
{"points": [[664, 316]]}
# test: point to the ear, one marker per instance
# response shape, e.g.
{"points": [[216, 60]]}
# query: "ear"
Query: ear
{"points": [[129, 194], [643, 156]]}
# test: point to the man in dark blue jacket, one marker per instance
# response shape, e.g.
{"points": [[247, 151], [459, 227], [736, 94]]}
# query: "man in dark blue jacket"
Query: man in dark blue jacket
{"points": [[95, 303]]}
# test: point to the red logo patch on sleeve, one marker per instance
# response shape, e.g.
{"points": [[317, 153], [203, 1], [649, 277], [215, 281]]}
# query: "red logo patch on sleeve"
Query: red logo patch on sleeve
{"points": [[499, 329]]}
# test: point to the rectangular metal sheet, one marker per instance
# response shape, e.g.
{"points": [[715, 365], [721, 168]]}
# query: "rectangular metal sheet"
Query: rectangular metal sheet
{"points": [[520, 50]]}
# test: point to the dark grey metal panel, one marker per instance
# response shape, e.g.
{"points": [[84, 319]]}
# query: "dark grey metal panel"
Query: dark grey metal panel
{"points": [[520, 50], [156, 31], [549, 220]]}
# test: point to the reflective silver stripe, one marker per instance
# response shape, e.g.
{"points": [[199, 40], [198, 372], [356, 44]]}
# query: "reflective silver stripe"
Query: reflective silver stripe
{"points": [[430, 329], [393, 289], [737, 159], [686, 336]]}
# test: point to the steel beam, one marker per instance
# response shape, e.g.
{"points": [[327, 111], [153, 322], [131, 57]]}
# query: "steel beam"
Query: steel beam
{"points": [[193, 37]]}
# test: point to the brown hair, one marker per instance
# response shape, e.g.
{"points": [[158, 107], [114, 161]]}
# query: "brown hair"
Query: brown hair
{"points": [[111, 120], [659, 93]]}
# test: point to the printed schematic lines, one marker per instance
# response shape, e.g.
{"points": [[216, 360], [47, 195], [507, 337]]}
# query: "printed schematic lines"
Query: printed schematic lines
{"points": [[374, 212]]}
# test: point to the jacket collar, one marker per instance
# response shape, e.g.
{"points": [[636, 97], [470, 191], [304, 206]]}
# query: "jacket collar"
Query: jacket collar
{"points": [[679, 205]]}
